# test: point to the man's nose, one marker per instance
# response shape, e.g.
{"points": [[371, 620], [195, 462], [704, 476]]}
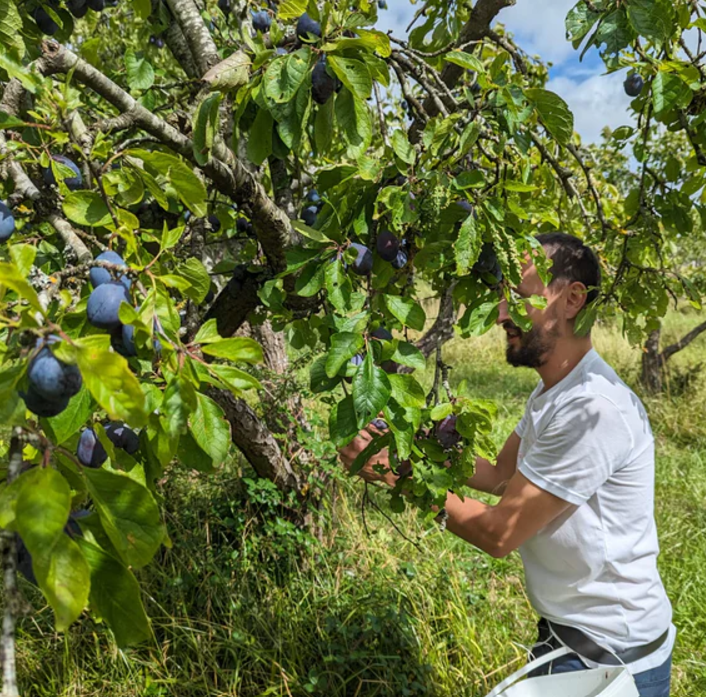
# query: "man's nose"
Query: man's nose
{"points": [[503, 315]]}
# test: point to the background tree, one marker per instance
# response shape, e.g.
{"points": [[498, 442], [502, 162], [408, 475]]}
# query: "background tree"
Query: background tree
{"points": [[297, 170]]}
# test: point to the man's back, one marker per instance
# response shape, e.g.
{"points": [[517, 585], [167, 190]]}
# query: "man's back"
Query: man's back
{"points": [[588, 441]]}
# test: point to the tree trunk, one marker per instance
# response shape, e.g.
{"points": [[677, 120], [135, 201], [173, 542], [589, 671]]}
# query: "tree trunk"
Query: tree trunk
{"points": [[651, 375]]}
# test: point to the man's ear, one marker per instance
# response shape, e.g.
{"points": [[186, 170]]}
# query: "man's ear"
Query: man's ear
{"points": [[576, 294]]}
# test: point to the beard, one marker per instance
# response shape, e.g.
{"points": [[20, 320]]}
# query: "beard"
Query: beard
{"points": [[533, 347]]}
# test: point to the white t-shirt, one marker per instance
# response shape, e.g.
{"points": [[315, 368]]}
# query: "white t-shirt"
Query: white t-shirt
{"points": [[588, 441]]}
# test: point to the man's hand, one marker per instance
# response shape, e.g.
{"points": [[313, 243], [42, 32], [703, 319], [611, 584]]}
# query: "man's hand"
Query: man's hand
{"points": [[356, 446]]}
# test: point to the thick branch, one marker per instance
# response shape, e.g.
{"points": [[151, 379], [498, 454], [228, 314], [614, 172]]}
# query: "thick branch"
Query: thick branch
{"points": [[230, 176], [253, 438], [668, 352], [195, 31], [236, 301], [13, 600], [443, 328], [482, 16]]}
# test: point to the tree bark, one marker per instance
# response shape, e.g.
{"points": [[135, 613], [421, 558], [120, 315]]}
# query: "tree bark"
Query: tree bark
{"points": [[651, 374]]}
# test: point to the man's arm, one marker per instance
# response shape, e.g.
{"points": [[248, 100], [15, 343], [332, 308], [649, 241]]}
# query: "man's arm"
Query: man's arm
{"points": [[492, 479], [521, 513]]}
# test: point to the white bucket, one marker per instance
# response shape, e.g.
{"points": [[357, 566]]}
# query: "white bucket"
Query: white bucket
{"points": [[594, 682]]}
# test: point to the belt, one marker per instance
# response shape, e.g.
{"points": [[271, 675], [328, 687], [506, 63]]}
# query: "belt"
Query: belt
{"points": [[585, 647]]}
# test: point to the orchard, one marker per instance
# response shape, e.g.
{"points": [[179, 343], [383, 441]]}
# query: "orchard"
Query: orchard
{"points": [[193, 192]]}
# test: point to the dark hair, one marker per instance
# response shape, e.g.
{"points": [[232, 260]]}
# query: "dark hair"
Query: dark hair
{"points": [[573, 261]]}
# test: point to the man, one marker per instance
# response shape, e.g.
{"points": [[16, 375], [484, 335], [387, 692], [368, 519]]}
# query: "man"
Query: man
{"points": [[576, 480]]}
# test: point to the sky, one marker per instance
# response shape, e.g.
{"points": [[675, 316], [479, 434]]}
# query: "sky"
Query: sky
{"points": [[596, 100]]}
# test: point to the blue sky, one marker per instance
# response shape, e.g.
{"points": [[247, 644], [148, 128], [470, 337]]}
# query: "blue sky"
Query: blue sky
{"points": [[596, 100]]}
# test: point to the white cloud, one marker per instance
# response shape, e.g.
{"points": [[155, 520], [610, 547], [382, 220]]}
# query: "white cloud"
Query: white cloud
{"points": [[596, 102], [538, 26]]}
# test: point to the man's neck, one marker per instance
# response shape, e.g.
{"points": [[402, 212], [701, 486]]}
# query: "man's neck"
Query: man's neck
{"points": [[567, 354]]}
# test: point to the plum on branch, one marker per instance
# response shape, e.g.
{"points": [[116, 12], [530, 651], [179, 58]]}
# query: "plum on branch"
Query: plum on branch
{"points": [[73, 183], [323, 85], [446, 432], [104, 303], [387, 245], [261, 21], [98, 275], [7, 222], [363, 263], [308, 29], [633, 85], [51, 378], [90, 450]]}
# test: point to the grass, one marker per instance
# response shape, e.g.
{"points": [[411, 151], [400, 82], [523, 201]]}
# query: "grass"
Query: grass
{"points": [[245, 604]]}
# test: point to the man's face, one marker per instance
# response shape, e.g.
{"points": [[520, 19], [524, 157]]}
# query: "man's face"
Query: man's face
{"points": [[532, 349]]}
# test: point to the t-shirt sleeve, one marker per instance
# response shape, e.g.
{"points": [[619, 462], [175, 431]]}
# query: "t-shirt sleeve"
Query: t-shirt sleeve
{"points": [[585, 442]]}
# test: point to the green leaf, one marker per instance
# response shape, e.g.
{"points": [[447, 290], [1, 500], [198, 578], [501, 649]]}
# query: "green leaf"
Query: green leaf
{"points": [[42, 508], [465, 60], [239, 349], [61, 427], [338, 286], [86, 208], [402, 147], [115, 596], [140, 73], [579, 22], [354, 122], [554, 113], [318, 380], [653, 19], [11, 277], [23, 256], [191, 456], [210, 429], [178, 403], [354, 74], [128, 513], [143, 8], [108, 378], [478, 320], [285, 75], [291, 9], [208, 333], [234, 379], [407, 311], [669, 92], [260, 137], [323, 127], [371, 390], [197, 275], [409, 355], [10, 26], [230, 73], [342, 422], [64, 579], [406, 391], [205, 127], [344, 346], [467, 246]]}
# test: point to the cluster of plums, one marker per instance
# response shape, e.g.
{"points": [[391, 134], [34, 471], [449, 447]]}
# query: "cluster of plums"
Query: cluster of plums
{"points": [[391, 249], [51, 382], [90, 450], [77, 8], [72, 182], [388, 366]]}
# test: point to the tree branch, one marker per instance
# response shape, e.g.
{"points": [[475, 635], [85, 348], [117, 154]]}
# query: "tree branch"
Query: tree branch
{"points": [[668, 352]]}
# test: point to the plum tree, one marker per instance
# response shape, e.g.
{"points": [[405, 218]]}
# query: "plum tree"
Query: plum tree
{"points": [[90, 451], [261, 21], [323, 85], [633, 85], [51, 378], [308, 29], [363, 263], [44, 21], [123, 437], [244, 226], [214, 222], [98, 275], [387, 245], [7, 222], [104, 303], [309, 215], [446, 432], [72, 182]]}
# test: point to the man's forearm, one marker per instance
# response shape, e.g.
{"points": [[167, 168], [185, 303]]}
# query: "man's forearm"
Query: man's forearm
{"points": [[488, 478], [474, 522]]}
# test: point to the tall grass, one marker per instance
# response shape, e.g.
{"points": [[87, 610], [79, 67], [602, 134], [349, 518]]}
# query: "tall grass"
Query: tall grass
{"points": [[247, 605]]}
